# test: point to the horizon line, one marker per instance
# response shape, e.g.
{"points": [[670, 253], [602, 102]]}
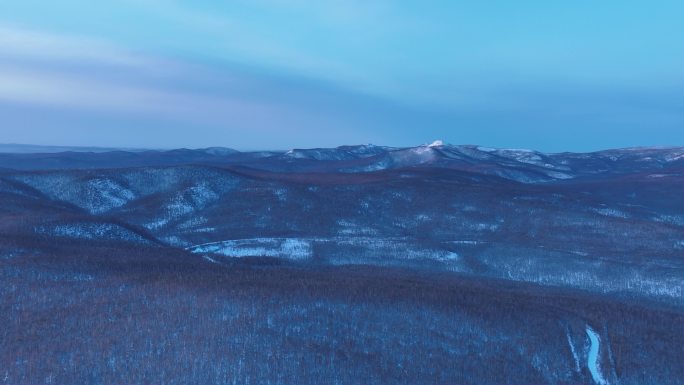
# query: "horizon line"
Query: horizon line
{"points": [[26, 148]]}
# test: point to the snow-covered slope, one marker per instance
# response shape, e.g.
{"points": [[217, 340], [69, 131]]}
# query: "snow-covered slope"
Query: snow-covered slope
{"points": [[579, 220]]}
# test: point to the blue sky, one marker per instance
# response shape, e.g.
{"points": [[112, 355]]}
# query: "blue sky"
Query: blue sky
{"points": [[277, 74]]}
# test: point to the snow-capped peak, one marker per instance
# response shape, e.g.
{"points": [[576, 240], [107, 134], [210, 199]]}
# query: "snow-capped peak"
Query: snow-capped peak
{"points": [[436, 143]]}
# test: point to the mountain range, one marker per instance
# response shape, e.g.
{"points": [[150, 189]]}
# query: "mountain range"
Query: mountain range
{"points": [[590, 231]]}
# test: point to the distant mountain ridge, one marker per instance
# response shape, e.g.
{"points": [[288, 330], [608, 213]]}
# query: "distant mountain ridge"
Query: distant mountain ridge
{"points": [[527, 166], [18, 148]]}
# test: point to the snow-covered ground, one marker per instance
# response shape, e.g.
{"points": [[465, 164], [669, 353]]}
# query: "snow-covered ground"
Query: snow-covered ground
{"points": [[96, 194], [87, 230], [287, 248], [303, 248], [586, 276]]}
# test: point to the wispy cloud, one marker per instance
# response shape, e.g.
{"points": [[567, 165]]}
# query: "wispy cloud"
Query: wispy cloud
{"points": [[90, 76], [331, 45], [77, 72], [83, 92], [23, 43]]}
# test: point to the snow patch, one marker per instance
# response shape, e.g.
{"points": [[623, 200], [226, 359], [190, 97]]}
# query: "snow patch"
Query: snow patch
{"points": [[413, 156], [203, 230], [290, 248], [281, 194], [348, 227], [573, 351], [183, 203], [465, 242], [104, 231], [175, 241], [156, 224], [671, 219], [192, 223], [356, 249], [105, 194], [608, 212], [483, 226], [96, 194], [559, 175], [448, 256], [210, 259]]}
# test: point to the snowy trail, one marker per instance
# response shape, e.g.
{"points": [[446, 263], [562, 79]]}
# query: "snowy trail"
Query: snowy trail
{"points": [[210, 259], [593, 357], [573, 351], [308, 239]]}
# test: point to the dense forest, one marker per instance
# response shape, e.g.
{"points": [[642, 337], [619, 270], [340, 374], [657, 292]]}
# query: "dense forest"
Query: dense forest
{"points": [[289, 269]]}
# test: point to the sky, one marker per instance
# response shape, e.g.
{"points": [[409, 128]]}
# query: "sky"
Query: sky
{"points": [[278, 74]]}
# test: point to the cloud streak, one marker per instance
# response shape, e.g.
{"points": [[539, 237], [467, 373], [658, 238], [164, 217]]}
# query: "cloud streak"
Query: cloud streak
{"points": [[29, 44], [302, 74], [86, 76]]}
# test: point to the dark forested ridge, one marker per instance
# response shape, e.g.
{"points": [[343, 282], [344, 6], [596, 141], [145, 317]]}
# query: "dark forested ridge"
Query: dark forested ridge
{"points": [[359, 264]]}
